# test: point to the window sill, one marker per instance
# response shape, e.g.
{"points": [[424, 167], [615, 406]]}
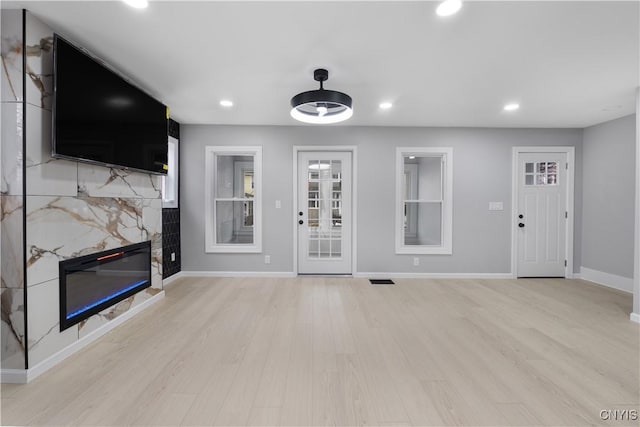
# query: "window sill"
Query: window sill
{"points": [[234, 249], [423, 250], [169, 204]]}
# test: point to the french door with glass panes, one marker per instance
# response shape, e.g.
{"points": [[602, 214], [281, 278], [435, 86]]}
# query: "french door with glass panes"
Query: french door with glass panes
{"points": [[324, 212]]}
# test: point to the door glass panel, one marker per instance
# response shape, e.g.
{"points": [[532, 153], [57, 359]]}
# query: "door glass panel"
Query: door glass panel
{"points": [[336, 248], [312, 219], [325, 247], [336, 169], [543, 173], [336, 218], [324, 212], [313, 248]]}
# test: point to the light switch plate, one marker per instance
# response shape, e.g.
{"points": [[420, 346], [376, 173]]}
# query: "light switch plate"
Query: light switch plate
{"points": [[496, 206], [278, 204]]}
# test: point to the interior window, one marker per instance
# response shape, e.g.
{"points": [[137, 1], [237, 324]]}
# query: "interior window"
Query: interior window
{"points": [[233, 193], [424, 200], [170, 180]]}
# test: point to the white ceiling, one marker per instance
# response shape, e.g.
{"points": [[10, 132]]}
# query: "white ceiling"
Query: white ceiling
{"points": [[569, 64]]}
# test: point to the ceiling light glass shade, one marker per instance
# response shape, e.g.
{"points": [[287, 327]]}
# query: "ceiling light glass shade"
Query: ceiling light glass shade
{"points": [[321, 106], [449, 7], [138, 4]]}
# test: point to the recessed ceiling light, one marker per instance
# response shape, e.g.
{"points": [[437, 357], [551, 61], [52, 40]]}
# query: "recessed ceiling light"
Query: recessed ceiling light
{"points": [[412, 157], [138, 4], [449, 7], [386, 105], [226, 103], [511, 107]]}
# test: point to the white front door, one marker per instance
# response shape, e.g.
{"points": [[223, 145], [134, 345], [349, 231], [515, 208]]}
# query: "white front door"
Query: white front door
{"points": [[541, 214], [324, 212]]}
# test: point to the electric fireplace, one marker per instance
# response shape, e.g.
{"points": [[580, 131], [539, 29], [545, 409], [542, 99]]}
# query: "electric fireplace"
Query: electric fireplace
{"points": [[91, 283]]}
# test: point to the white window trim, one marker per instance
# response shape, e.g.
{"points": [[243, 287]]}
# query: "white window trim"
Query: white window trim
{"points": [[447, 200], [211, 152], [170, 183]]}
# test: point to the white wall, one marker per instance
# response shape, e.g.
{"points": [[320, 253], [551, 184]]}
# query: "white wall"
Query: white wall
{"points": [[609, 197], [482, 174]]}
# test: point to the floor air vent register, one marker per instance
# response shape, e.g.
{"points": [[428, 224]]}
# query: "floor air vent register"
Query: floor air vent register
{"points": [[92, 283], [381, 282]]}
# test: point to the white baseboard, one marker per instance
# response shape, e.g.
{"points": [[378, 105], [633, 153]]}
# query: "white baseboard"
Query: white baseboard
{"points": [[282, 274], [171, 279], [634, 317], [285, 274], [377, 275], [606, 279], [19, 376], [13, 376]]}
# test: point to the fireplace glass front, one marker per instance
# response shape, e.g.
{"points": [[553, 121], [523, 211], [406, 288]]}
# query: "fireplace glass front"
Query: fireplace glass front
{"points": [[92, 283]]}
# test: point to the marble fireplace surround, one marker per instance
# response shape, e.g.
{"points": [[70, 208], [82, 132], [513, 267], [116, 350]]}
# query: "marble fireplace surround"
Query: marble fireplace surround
{"points": [[68, 209]]}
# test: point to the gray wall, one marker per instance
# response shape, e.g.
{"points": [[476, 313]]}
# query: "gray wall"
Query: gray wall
{"points": [[482, 173], [636, 277], [609, 196]]}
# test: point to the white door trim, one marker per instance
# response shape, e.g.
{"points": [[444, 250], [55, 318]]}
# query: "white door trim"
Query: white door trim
{"points": [[570, 152], [354, 197]]}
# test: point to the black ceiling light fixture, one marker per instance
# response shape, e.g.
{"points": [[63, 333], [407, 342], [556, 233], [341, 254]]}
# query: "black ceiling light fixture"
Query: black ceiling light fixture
{"points": [[321, 106]]}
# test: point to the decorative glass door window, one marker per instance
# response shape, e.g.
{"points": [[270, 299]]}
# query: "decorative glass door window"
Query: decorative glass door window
{"points": [[424, 200], [324, 211], [541, 173], [233, 215]]}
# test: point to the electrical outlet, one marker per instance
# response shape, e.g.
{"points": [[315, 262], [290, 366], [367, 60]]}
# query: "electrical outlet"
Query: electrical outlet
{"points": [[267, 259], [173, 256], [496, 206], [278, 204], [416, 261]]}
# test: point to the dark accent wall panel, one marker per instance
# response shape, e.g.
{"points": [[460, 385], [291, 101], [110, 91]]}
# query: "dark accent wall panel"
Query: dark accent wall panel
{"points": [[170, 241], [174, 129], [171, 222]]}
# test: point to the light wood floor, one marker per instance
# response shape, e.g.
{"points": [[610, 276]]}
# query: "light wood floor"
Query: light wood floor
{"points": [[337, 351]]}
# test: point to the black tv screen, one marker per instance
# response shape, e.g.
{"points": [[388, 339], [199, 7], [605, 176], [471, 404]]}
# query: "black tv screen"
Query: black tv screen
{"points": [[99, 117]]}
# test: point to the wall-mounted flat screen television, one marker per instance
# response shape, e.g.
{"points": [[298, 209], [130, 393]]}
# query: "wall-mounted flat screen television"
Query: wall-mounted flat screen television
{"points": [[101, 118]]}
